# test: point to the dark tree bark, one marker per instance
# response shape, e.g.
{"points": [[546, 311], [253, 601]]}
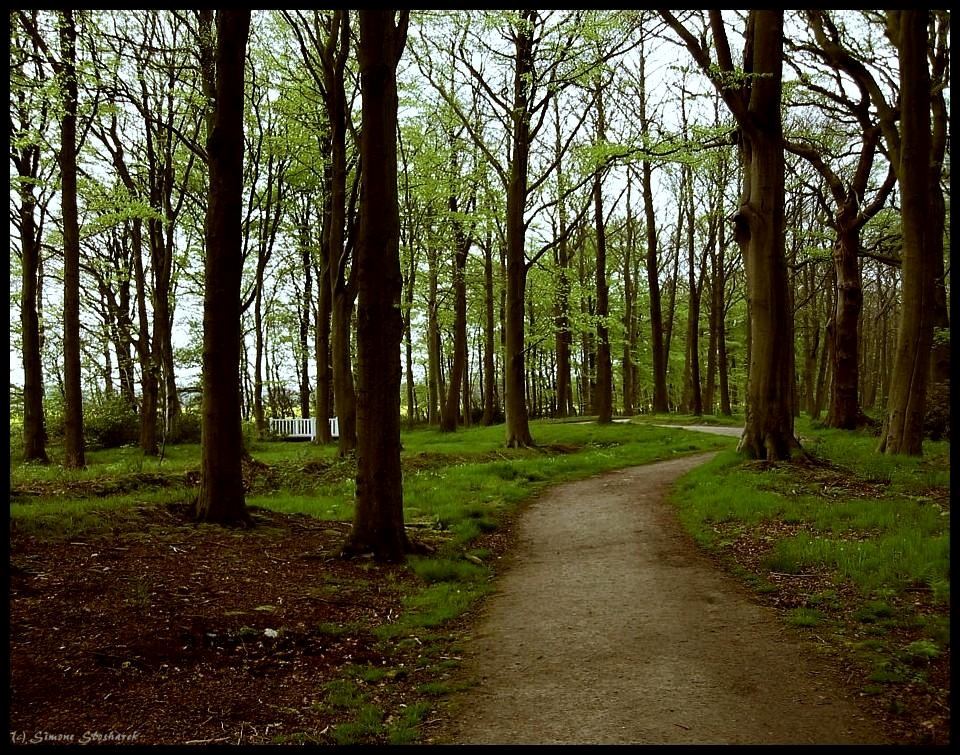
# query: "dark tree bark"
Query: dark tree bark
{"points": [[305, 312], [489, 336], [759, 223], [462, 241], [26, 159], [629, 326], [660, 354], [518, 427], [603, 400], [434, 354], [221, 496], [903, 429], [74, 457], [378, 519]]}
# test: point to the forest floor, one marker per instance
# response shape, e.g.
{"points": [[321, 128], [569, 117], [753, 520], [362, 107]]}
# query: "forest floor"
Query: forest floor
{"points": [[148, 628]]}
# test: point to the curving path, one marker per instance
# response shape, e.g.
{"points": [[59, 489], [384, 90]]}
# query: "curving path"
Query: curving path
{"points": [[611, 627]]}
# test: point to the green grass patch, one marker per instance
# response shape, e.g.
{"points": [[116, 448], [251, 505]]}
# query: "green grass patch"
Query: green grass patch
{"points": [[406, 728], [367, 725], [343, 693], [804, 617], [446, 570]]}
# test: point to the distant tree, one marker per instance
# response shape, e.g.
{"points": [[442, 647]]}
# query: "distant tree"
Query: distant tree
{"points": [[221, 497], [378, 518]]}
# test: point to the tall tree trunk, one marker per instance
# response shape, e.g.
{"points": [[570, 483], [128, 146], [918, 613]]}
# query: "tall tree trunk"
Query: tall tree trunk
{"points": [[760, 232], [693, 397], [148, 377], [322, 338], [489, 335], [258, 414], [306, 310], [221, 497], [518, 427], [629, 328], [34, 434], [903, 430], [74, 457], [603, 398], [378, 518], [434, 354], [844, 411], [462, 241], [342, 290]]}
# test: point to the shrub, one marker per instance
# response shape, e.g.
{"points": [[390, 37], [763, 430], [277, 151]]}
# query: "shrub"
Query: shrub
{"points": [[110, 423], [188, 429]]}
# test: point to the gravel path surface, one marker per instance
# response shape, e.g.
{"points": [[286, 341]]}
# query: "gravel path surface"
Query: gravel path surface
{"points": [[610, 626]]}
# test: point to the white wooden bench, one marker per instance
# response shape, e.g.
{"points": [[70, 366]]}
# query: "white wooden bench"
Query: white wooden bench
{"points": [[297, 427]]}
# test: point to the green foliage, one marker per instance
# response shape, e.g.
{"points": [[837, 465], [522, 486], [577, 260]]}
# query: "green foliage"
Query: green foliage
{"points": [[188, 428], [110, 422]]}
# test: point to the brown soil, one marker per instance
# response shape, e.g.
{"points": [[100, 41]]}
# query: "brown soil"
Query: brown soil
{"points": [[163, 631], [611, 626]]}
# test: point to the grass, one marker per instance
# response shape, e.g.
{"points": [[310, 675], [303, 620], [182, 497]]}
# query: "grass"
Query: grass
{"points": [[871, 531], [458, 484]]}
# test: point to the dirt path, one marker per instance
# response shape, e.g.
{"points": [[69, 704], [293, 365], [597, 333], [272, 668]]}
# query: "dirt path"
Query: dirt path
{"points": [[611, 627]]}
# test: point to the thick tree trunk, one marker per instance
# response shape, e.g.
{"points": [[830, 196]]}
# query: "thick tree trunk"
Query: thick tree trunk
{"points": [[760, 232], [74, 457], [903, 429], [221, 496], [378, 519], [518, 427], [653, 283]]}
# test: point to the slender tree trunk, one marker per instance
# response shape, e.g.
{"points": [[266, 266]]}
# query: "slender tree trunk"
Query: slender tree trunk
{"points": [[221, 496], [34, 434], [448, 422], [489, 336], [603, 399], [518, 428], [378, 518], [629, 328], [73, 409], [306, 309], [433, 341], [845, 409], [322, 337]]}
